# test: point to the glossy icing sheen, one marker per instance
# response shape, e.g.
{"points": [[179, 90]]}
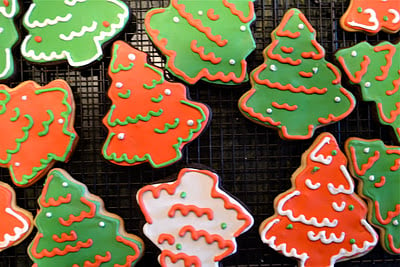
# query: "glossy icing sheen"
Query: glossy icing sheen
{"points": [[214, 38], [378, 168], [8, 36], [15, 223], [37, 129], [377, 70], [58, 30], [150, 119], [192, 220], [371, 16], [320, 220], [75, 230], [295, 90]]}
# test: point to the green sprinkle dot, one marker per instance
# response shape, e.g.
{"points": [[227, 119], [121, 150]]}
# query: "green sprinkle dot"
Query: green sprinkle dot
{"points": [[352, 241], [178, 246], [223, 226], [351, 207], [183, 194], [385, 18], [334, 152], [289, 226], [315, 169], [359, 10]]}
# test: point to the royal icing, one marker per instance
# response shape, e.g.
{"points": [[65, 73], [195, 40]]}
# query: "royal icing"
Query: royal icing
{"points": [[8, 36], [59, 29], [32, 140], [313, 224], [15, 223], [295, 90], [192, 220], [214, 39], [74, 229], [150, 119], [377, 70], [371, 16], [379, 173]]}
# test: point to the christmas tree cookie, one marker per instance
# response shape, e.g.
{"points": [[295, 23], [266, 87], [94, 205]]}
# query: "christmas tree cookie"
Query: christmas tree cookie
{"points": [[320, 220], [377, 166], [192, 220], [295, 90], [377, 70], [72, 30], [8, 36], [74, 229], [371, 16], [204, 40], [150, 119], [15, 223], [37, 129]]}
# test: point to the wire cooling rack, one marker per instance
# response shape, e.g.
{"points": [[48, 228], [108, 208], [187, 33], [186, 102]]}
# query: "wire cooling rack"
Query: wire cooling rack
{"points": [[254, 163]]}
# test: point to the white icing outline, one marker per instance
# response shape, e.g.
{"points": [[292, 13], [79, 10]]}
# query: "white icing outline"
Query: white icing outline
{"points": [[320, 158], [13, 11], [322, 237], [17, 230], [8, 63], [373, 19], [75, 34], [312, 186], [73, 2], [338, 208], [340, 189], [301, 218], [396, 15]]}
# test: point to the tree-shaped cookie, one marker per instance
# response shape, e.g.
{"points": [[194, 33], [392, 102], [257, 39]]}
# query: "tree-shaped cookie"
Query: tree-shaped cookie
{"points": [[295, 90], [320, 220], [72, 30], [15, 223], [36, 129], [74, 229], [8, 36], [206, 40], [371, 16], [192, 220], [377, 70], [150, 119], [378, 168]]}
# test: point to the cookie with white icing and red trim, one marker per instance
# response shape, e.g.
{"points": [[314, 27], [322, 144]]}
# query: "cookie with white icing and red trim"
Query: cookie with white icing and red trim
{"points": [[37, 129], [320, 220], [192, 220], [376, 69], [295, 90], [377, 166], [71, 30], [15, 223], [204, 40], [371, 16], [74, 229]]}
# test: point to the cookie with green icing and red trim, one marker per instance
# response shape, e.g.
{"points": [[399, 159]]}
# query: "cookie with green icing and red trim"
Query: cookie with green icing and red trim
{"points": [[74, 229], [204, 40], [192, 220], [295, 90], [371, 16], [37, 129], [320, 220], [377, 166], [71, 30], [376, 70], [15, 223], [150, 119], [8, 36]]}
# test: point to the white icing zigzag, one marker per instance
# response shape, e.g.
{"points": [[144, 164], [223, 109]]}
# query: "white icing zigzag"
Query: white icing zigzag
{"points": [[322, 237], [46, 22], [18, 231], [338, 208], [83, 30], [340, 189], [320, 158], [373, 19], [312, 186], [12, 11]]}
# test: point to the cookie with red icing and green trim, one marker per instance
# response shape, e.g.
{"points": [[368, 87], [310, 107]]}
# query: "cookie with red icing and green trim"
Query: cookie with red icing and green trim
{"points": [[377, 166], [71, 30], [15, 223], [192, 220], [8, 36], [377, 70], [150, 119], [74, 229], [37, 129], [204, 40], [371, 16], [320, 220], [295, 90]]}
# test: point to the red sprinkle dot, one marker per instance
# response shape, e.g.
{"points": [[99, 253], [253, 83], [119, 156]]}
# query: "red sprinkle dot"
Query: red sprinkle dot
{"points": [[38, 39], [6, 3], [106, 24]]}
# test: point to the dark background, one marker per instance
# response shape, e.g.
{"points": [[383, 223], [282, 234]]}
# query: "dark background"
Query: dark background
{"points": [[254, 163]]}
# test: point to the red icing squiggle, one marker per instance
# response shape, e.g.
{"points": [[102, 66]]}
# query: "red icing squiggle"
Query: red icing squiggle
{"points": [[391, 244], [287, 33], [358, 74], [279, 57], [388, 57], [189, 261], [305, 74], [206, 57], [316, 56], [332, 118], [129, 258], [186, 209], [335, 71], [287, 50], [51, 201], [239, 13], [396, 165], [381, 183], [390, 214], [211, 15], [166, 237], [366, 166], [84, 214], [393, 113], [396, 85], [284, 106], [98, 260], [65, 237]]}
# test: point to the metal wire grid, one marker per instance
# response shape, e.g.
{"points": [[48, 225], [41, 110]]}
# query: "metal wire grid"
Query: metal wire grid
{"points": [[254, 163]]}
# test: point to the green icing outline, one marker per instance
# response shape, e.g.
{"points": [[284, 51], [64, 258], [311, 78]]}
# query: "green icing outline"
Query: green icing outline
{"points": [[126, 95], [129, 119], [46, 124], [120, 66], [167, 127], [17, 114], [154, 82]]}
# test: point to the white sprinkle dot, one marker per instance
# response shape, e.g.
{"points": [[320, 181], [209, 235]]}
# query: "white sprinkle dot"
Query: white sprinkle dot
{"points": [[273, 68], [301, 26], [119, 84], [65, 184], [24, 97], [354, 53], [269, 110], [337, 99], [367, 84], [132, 57], [60, 121], [102, 224], [176, 19], [396, 222], [48, 214], [371, 177], [315, 70], [242, 28], [17, 164], [167, 92], [190, 122], [366, 150], [121, 136], [232, 62], [200, 12]]}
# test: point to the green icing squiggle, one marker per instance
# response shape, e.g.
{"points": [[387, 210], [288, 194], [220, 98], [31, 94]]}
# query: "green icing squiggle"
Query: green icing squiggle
{"points": [[4, 102], [25, 129], [17, 114], [120, 66], [167, 127], [129, 119], [154, 82], [46, 124], [158, 99], [126, 95]]}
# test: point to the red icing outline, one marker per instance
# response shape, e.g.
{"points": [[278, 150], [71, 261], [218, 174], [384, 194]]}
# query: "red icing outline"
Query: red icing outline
{"points": [[331, 117], [299, 137], [287, 33], [316, 56], [278, 57], [186, 209], [84, 214], [391, 244], [336, 72], [189, 261], [390, 214], [65, 237], [206, 57], [393, 113], [51, 201], [129, 258], [366, 166], [166, 237], [284, 106], [396, 165], [358, 74]]}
